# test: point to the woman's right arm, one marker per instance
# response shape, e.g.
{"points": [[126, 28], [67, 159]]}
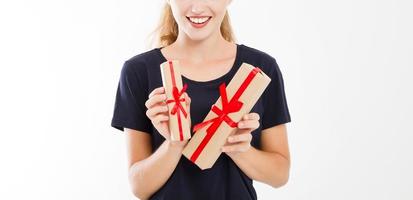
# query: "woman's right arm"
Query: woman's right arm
{"points": [[149, 171]]}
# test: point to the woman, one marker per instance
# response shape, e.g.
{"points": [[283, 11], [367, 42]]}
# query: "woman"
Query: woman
{"points": [[198, 34]]}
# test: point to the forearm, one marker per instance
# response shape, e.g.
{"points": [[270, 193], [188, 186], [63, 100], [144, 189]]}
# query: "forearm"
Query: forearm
{"points": [[148, 175], [267, 167]]}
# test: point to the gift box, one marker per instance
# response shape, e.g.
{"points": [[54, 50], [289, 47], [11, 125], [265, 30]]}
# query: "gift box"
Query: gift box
{"points": [[236, 100], [179, 118]]}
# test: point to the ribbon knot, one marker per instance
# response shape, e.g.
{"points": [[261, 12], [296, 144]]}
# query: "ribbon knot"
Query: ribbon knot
{"points": [[177, 100], [222, 115]]}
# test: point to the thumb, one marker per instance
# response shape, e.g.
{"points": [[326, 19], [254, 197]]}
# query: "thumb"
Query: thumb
{"points": [[188, 106], [187, 101]]}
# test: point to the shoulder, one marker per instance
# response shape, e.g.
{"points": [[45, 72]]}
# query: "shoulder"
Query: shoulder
{"points": [[135, 69], [259, 58], [138, 63]]}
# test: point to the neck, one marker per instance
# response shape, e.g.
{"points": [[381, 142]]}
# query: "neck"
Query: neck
{"points": [[199, 51]]}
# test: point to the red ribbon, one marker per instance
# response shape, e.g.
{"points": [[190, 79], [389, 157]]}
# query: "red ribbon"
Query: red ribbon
{"points": [[177, 109], [234, 105]]}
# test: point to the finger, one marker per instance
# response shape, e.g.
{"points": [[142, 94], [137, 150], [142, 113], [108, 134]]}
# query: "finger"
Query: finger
{"points": [[188, 106], [187, 99], [248, 124], [158, 90], [250, 116], [244, 137], [241, 132], [156, 110], [160, 118], [239, 147], [155, 99]]}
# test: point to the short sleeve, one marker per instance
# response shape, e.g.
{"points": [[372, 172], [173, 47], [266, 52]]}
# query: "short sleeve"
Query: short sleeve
{"points": [[274, 99], [130, 109]]}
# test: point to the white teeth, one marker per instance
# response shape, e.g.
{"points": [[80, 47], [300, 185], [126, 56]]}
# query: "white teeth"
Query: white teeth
{"points": [[198, 20]]}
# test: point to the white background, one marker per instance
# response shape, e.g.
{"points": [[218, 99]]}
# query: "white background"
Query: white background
{"points": [[347, 67]]}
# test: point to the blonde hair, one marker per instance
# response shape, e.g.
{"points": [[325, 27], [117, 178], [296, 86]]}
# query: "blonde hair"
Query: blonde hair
{"points": [[167, 30]]}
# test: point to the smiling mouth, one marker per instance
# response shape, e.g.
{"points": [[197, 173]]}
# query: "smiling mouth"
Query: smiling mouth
{"points": [[199, 20]]}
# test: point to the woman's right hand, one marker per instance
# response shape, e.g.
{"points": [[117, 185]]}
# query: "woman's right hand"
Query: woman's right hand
{"points": [[158, 112]]}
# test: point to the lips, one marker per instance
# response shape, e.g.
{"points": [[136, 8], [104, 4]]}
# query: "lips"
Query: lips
{"points": [[199, 21]]}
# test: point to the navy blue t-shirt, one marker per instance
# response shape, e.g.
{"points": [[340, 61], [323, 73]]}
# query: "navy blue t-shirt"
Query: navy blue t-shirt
{"points": [[141, 74]]}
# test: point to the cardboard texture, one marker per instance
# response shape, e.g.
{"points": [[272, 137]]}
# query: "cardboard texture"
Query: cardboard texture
{"points": [[238, 98], [178, 114]]}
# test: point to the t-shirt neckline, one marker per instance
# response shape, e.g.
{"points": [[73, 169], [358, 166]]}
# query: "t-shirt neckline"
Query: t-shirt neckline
{"points": [[213, 81]]}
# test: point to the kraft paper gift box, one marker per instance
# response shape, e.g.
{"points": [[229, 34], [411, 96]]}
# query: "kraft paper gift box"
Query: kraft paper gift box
{"points": [[179, 117], [236, 100]]}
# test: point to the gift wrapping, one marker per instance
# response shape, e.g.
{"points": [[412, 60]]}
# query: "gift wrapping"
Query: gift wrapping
{"points": [[236, 100], [179, 126]]}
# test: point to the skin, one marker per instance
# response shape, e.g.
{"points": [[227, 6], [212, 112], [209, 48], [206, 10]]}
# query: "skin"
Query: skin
{"points": [[200, 61]]}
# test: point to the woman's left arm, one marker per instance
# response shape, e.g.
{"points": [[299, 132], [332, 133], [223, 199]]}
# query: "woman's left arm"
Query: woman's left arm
{"points": [[271, 165]]}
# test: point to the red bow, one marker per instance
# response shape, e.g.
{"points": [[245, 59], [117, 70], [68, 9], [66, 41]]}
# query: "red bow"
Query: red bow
{"points": [[176, 95], [177, 109], [227, 107]]}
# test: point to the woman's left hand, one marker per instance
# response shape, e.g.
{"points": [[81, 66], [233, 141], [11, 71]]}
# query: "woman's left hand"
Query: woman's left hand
{"points": [[240, 141]]}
